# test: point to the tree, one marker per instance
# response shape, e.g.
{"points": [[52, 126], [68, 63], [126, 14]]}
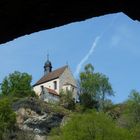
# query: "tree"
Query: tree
{"points": [[88, 81], [7, 117], [94, 87], [105, 88], [88, 87], [17, 84], [5, 86]]}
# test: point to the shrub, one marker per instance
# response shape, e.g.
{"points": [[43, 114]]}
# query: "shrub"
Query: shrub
{"points": [[92, 126]]}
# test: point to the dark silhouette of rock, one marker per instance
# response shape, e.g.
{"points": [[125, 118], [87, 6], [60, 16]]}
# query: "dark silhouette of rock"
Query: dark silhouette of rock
{"points": [[23, 17]]}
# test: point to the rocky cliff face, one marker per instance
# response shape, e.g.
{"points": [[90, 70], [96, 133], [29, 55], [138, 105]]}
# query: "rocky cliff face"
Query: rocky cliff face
{"points": [[29, 120], [36, 116]]}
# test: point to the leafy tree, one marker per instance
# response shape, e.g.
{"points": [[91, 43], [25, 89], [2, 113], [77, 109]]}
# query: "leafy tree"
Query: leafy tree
{"points": [[5, 86], [105, 88], [92, 126], [88, 87], [88, 82], [94, 87], [7, 117], [17, 84]]}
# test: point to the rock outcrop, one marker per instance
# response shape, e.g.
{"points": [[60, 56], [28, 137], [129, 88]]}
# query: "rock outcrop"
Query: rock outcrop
{"points": [[36, 116]]}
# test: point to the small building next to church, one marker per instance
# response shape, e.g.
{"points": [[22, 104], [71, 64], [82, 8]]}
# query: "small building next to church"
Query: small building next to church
{"points": [[53, 82]]}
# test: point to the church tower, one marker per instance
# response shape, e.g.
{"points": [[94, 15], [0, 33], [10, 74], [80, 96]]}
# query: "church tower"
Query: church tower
{"points": [[47, 66]]}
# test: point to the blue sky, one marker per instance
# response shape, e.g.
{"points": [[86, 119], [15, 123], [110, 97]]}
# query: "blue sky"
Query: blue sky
{"points": [[111, 43]]}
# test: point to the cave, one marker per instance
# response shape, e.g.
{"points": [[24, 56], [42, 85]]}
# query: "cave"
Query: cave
{"points": [[23, 17]]}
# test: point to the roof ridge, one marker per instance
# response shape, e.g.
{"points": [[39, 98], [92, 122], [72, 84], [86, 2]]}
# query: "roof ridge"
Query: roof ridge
{"points": [[59, 68]]}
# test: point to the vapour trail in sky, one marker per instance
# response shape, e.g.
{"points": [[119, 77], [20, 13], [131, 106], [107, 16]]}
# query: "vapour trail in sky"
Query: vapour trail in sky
{"points": [[91, 51], [79, 66]]}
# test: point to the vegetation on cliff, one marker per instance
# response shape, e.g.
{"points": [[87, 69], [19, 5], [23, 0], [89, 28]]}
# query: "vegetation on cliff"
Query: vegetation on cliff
{"points": [[94, 117]]}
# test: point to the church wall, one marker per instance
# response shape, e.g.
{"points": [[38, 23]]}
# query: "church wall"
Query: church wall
{"points": [[50, 98], [67, 77], [49, 84]]}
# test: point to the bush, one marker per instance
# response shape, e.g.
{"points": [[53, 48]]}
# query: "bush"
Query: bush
{"points": [[7, 117], [66, 100], [92, 126]]}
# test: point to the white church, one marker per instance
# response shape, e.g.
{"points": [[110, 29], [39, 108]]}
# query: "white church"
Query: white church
{"points": [[50, 85]]}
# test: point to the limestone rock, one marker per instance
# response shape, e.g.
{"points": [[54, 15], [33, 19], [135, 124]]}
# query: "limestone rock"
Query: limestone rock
{"points": [[39, 121]]}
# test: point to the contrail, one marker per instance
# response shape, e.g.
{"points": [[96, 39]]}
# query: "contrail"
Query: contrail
{"points": [[87, 56], [79, 66]]}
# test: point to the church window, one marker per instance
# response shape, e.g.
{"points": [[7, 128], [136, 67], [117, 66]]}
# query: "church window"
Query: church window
{"points": [[72, 89], [55, 85]]}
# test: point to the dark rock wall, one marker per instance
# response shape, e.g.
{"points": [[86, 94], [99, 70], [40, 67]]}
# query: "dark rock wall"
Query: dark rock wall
{"points": [[21, 17]]}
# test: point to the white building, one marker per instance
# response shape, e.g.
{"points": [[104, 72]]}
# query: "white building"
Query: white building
{"points": [[49, 86]]}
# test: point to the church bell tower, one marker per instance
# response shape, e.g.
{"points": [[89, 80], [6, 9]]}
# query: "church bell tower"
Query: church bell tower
{"points": [[47, 66]]}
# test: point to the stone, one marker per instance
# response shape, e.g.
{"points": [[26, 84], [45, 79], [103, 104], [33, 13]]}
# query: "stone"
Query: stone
{"points": [[28, 118]]}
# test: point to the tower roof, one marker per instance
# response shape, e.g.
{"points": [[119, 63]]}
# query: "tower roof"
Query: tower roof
{"points": [[48, 62]]}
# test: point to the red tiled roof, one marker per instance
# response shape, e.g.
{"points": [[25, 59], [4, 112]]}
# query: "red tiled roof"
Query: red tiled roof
{"points": [[51, 91], [52, 75]]}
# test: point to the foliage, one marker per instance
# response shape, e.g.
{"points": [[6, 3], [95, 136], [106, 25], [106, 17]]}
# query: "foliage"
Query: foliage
{"points": [[79, 108], [66, 100], [88, 82], [134, 105], [88, 87], [7, 117], [94, 87], [92, 126], [17, 84], [105, 88], [55, 131], [87, 101], [108, 104], [131, 115], [115, 110], [136, 132]]}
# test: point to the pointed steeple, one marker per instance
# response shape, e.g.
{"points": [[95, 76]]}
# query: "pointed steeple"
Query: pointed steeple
{"points": [[47, 66]]}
